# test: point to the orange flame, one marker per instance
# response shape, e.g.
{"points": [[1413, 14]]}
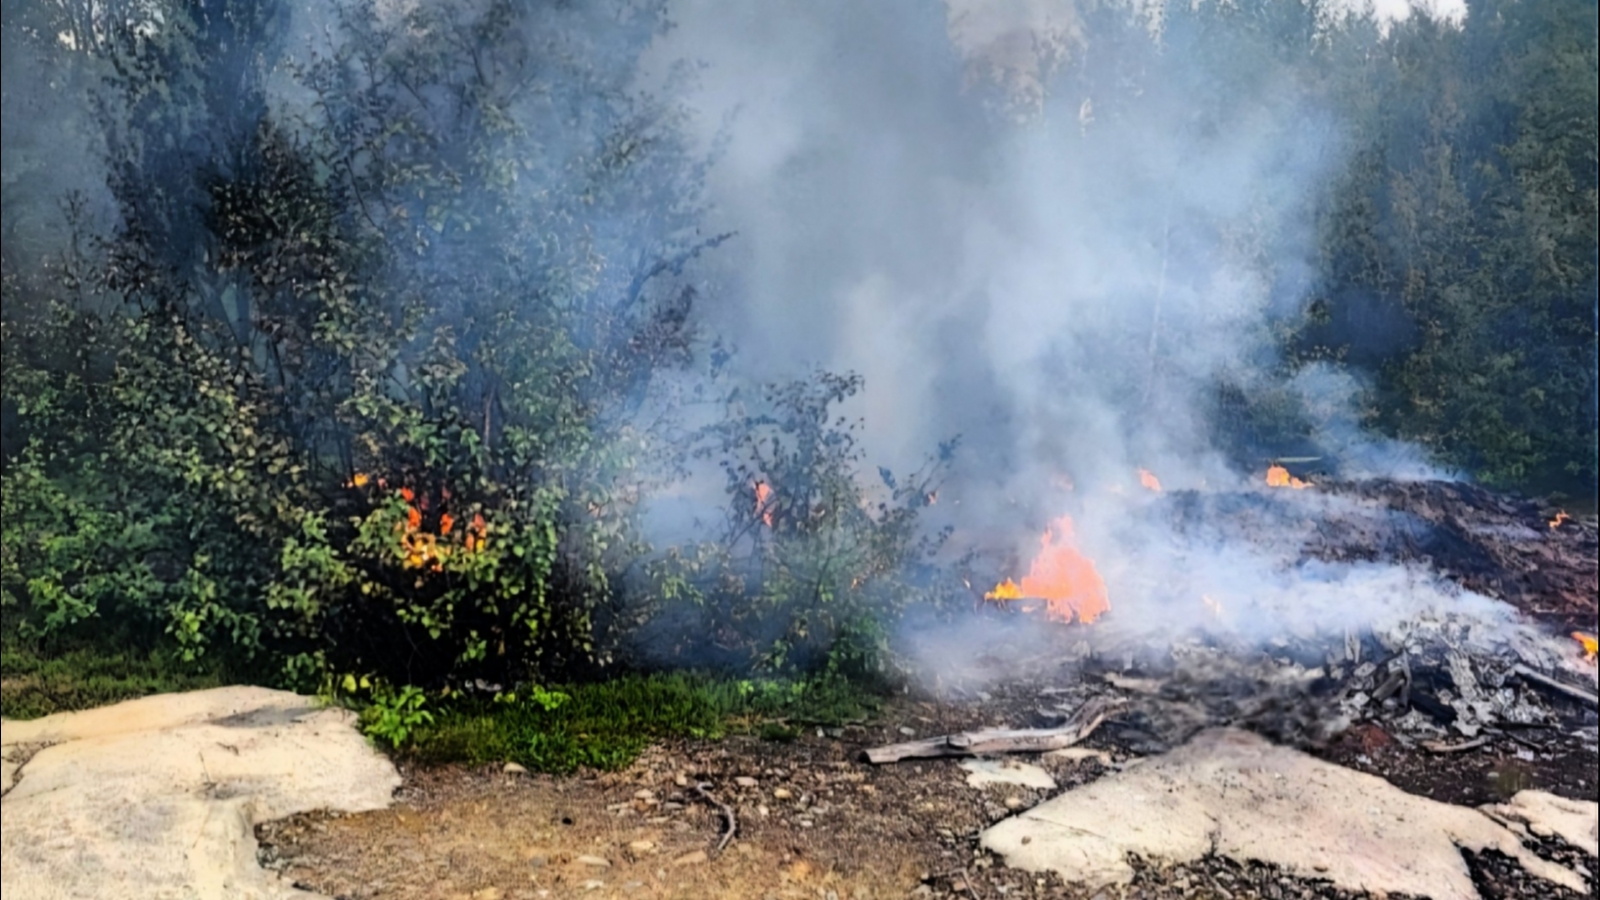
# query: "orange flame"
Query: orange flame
{"points": [[1005, 590], [1062, 576], [763, 502], [1561, 517], [1591, 645], [1149, 480], [1278, 476]]}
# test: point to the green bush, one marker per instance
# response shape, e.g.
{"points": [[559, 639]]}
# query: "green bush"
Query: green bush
{"points": [[815, 564]]}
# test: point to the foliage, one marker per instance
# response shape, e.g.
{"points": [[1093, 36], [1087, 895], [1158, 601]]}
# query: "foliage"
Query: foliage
{"points": [[814, 564], [41, 681], [357, 379], [606, 725]]}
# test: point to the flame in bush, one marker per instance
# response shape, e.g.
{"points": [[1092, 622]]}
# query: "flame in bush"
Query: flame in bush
{"points": [[1149, 480], [1278, 476], [1060, 575], [1561, 517], [1591, 645], [764, 502]]}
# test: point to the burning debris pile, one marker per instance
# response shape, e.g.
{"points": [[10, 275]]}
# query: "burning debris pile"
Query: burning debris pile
{"points": [[1454, 670]]}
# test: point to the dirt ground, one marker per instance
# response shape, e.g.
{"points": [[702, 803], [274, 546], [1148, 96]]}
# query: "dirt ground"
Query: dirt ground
{"points": [[815, 821]]}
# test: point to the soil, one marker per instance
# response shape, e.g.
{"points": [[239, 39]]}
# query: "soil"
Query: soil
{"points": [[815, 821]]}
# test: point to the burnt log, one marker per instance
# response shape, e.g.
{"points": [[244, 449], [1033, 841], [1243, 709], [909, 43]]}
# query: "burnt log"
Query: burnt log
{"points": [[1079, 725]]}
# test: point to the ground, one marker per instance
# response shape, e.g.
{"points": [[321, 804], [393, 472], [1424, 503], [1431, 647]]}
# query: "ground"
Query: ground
{"points": [[816, 821]]}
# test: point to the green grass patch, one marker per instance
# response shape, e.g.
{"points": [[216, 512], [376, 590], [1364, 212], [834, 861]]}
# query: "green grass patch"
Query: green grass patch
{"points": [[606, 725], [34, 683]]}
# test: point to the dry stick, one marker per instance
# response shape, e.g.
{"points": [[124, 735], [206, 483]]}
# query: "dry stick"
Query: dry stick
{"points": [[1002, 740], [1546, 681], [727, 814], [1442, 747]]}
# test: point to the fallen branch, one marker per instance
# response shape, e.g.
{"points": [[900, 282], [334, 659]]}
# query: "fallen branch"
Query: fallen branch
{"points": [[1442, 747], [727, 814], [1545, 681], [1080, 725]]}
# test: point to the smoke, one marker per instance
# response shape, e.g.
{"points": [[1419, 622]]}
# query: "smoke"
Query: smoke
{"points": [[1054, 229]]}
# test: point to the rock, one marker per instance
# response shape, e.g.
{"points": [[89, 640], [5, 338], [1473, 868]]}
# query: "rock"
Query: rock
{"points": [[1235, 794], [745, 781], [984, 772], [644, 794], [692, 858], [160, 796], [642, 846], [782, 794], [512, 768], [593, 884], [1014, 802], [488, 893], [538, 861], [599, 862], [1576, 821], [908, 731]]}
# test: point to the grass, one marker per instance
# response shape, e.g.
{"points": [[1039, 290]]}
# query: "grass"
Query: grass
{"points": [[599, 725], [606, 725], [33, 683]]}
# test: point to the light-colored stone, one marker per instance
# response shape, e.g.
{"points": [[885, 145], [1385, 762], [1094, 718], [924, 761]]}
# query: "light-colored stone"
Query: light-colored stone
{"points": [[1079, 754], [745, 781], [782, 794], [599, 862], [1576, 821], [512, 768], [1235, 794], [158, 797], [642, 846], [984, 772]]}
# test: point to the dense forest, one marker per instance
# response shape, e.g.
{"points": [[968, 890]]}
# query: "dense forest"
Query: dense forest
{"points": [[364, 357]]}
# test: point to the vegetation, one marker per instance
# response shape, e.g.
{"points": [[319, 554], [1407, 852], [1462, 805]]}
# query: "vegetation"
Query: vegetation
{"points": [[364, 389]]}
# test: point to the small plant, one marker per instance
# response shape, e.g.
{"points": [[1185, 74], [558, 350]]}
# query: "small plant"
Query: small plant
{"points": [[394, 716]]}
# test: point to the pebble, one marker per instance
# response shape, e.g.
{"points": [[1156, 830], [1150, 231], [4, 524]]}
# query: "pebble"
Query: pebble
{"points": [[908, 731], [593, 884], [642, 846], [782, 794], [644, 794], [1013, 802], [596, 861], [512, 768], [745, 781]]}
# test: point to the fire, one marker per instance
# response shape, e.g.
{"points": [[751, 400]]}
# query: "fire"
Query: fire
{"points": [[764, 502], [1005, 590], [1561, 516], [1278, 476], [1060, 575], [1149, 480], [1591, 645]]}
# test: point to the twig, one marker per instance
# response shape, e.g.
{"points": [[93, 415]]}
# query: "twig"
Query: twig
{"points": [[1442, 747], [1546, 681], [727, 814], [1002, 740], [966, 881]]}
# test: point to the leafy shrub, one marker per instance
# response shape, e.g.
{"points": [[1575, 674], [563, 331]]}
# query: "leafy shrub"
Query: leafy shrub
{"points": [[815, 564], [370, 414]]}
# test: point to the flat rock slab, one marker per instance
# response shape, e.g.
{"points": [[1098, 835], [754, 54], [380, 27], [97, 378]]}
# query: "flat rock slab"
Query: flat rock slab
{"points": [[158, 797], [984, 772], [1235, 794]]}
